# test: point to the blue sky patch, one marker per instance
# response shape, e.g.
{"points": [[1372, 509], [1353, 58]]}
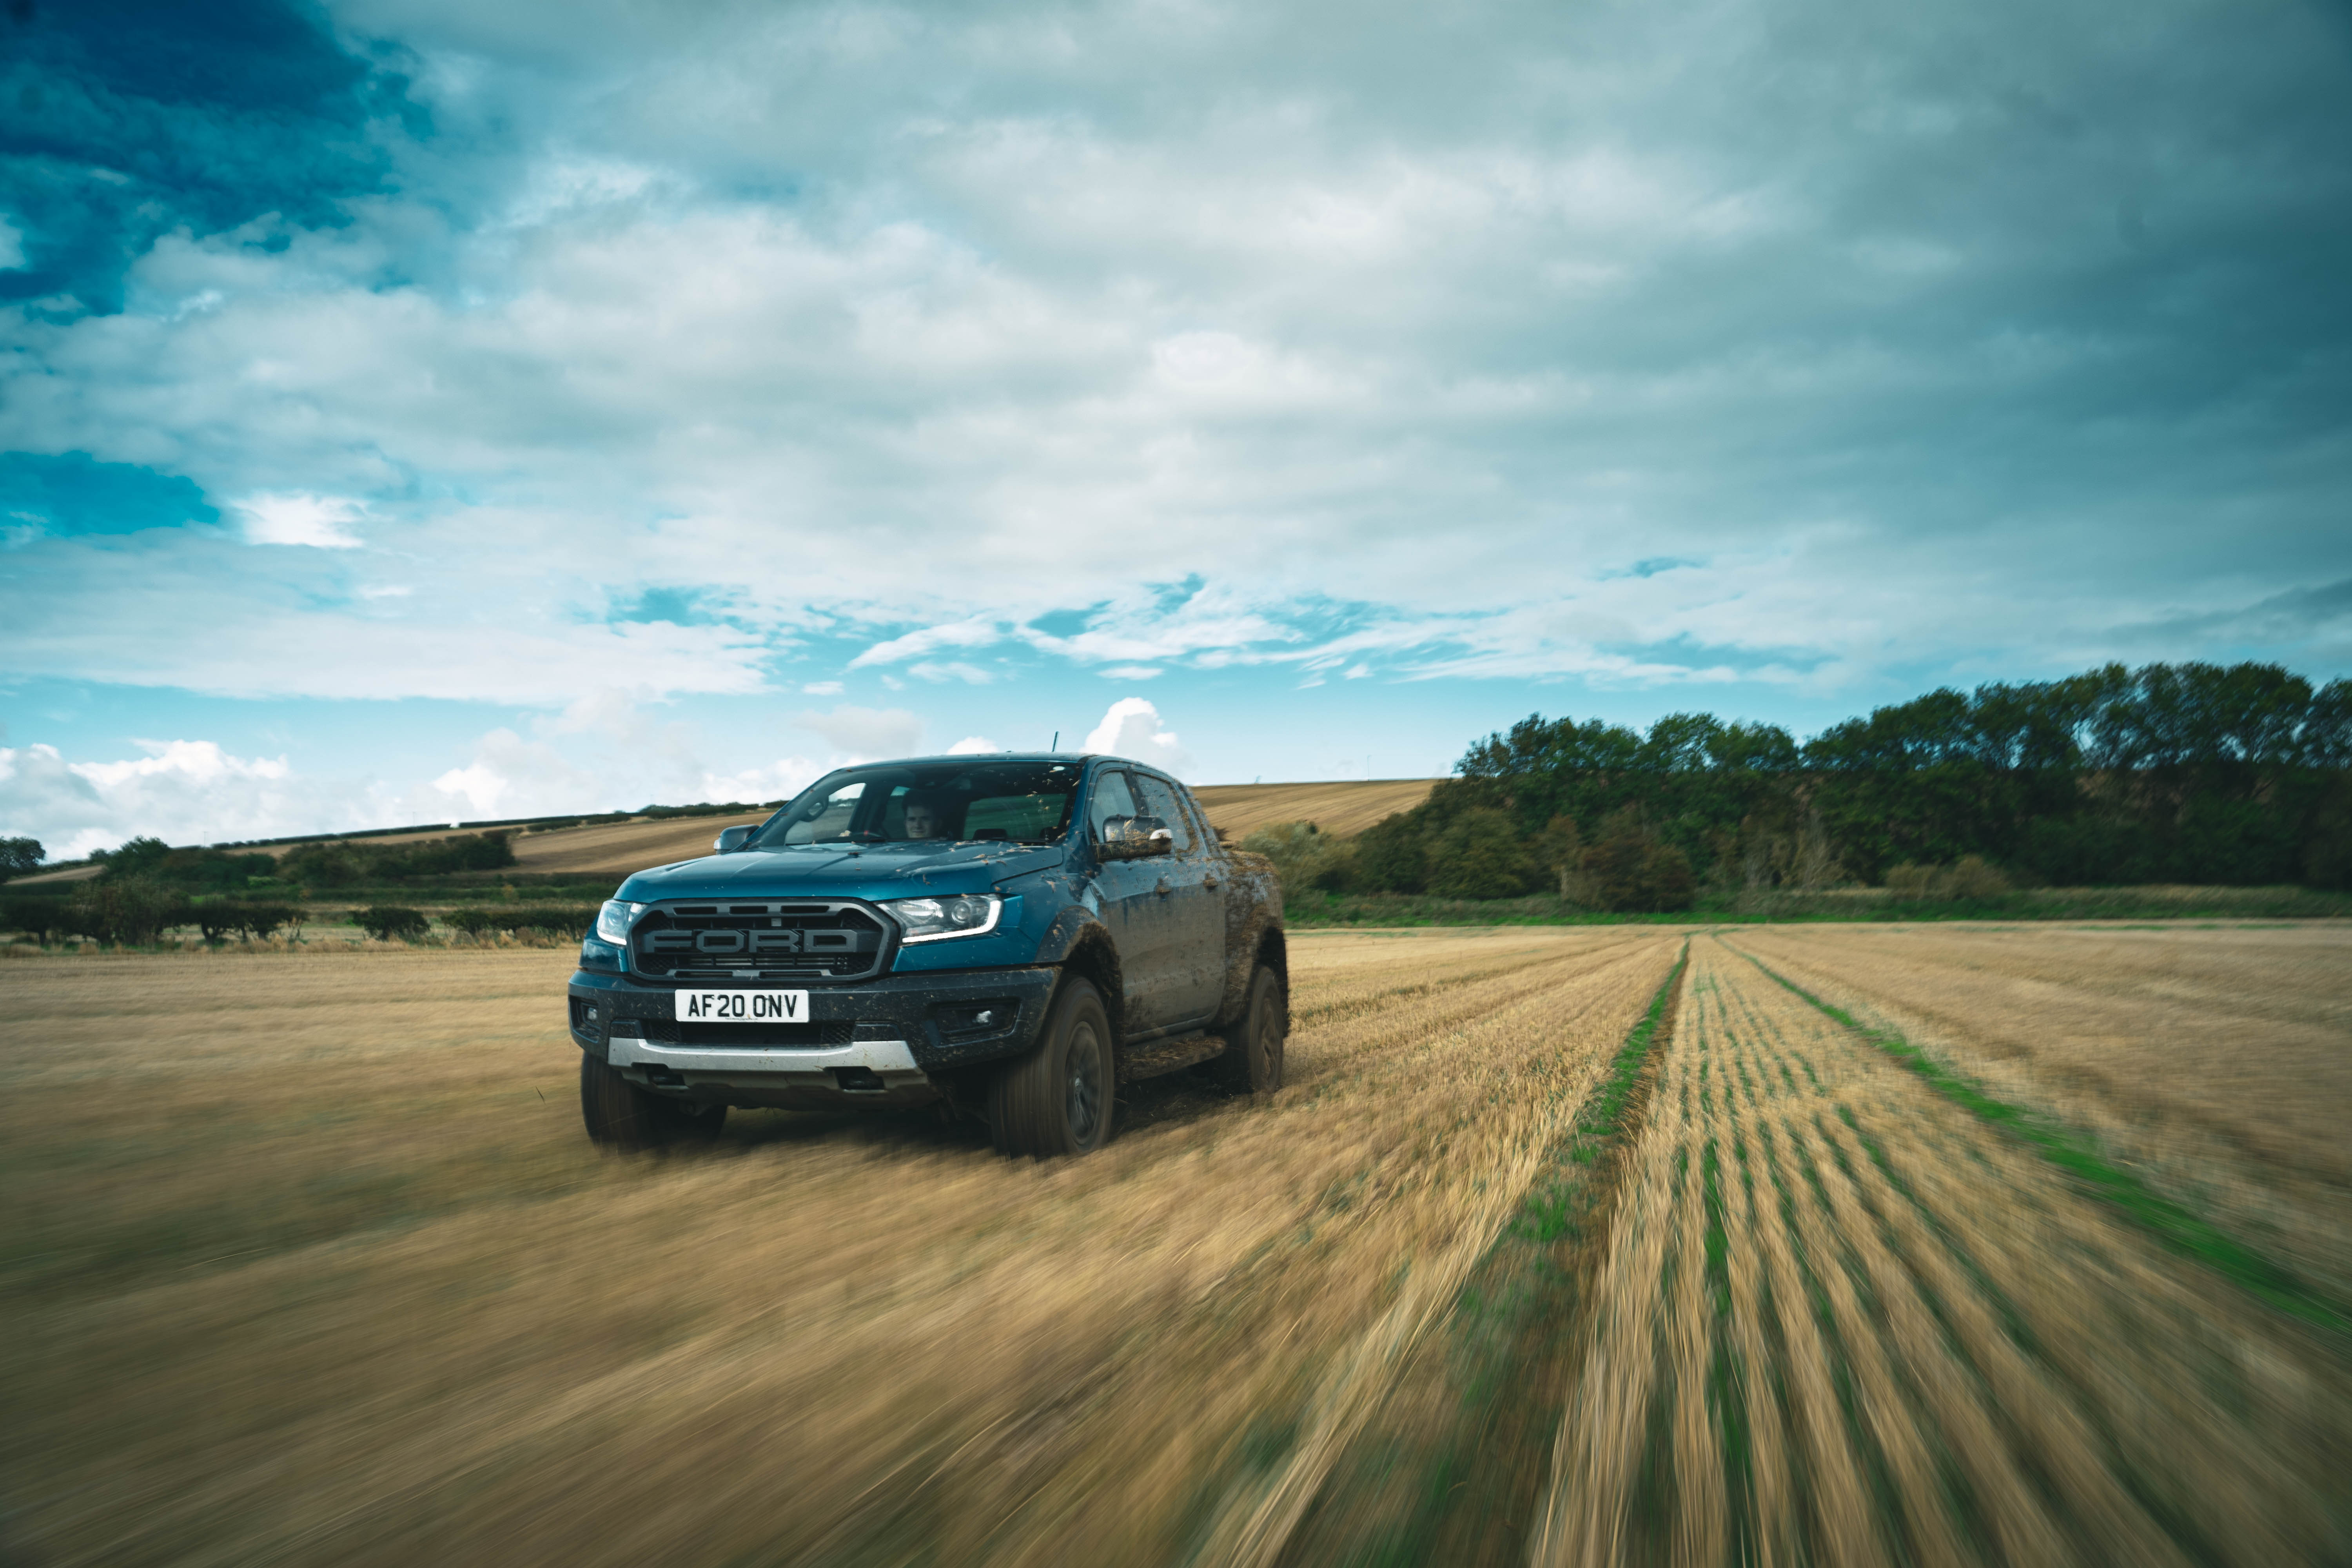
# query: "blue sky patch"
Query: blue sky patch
{"points": [[73, 493]]}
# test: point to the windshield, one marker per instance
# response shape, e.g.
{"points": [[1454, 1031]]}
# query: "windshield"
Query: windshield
{"points": [[951, 802]]}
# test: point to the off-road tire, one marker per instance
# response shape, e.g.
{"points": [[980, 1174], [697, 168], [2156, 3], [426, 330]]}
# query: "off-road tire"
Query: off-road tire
{"points": [[1251, 1062], [1057, 1099], [620, 1115]]}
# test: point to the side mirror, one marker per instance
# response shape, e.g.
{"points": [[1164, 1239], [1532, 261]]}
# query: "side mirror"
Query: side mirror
{"points": [[730, 839], [1135, 838]]}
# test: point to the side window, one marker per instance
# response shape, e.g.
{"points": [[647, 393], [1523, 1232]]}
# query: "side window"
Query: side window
{"points": [[1161, 801], [1110, 797]]}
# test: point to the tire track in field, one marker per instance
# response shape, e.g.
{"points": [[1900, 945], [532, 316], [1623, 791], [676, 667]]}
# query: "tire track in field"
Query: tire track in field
{"points": [[1452, 1464], [1552, 1046]]}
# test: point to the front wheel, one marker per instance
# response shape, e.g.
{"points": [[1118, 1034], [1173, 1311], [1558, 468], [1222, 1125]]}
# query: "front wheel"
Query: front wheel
{"points": [[1057, 1099], [1253, 1060], [622, 1116]]}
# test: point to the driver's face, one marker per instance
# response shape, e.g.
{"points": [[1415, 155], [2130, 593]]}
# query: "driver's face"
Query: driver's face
{"points": [[918, 822]]}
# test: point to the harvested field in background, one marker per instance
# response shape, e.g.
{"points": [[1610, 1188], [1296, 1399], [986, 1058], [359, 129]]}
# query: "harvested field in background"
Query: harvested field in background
{"points": [[1344, 809], [616, 848], [308, 1261]]}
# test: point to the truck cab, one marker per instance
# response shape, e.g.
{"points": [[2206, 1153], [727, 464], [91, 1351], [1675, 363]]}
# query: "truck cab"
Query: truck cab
{"points": [[1013, 936]]}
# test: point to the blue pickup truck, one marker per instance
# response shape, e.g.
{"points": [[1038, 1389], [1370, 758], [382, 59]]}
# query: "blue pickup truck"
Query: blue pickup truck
{"points": [[1012, 936]]}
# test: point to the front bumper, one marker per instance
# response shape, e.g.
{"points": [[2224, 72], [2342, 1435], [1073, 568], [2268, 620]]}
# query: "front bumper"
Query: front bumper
{"points": [[883, 1041]]}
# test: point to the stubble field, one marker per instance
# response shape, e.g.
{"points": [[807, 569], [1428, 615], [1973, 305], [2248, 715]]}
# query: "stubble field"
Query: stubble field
{"points": [[1566, 1244]]}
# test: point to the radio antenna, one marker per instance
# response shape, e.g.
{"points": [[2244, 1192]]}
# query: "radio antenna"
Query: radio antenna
{"points": [[1057, 741]]}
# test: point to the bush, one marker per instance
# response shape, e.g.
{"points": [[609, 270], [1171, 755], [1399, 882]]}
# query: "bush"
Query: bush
{"points": [[1971, 877], [1389, 857], [1629, 871], [1479, 854], [575, 922], [474, 922], [223, 917], [1303, 856], [387, 922], [341, 863], [129, 912], [43, 920]]}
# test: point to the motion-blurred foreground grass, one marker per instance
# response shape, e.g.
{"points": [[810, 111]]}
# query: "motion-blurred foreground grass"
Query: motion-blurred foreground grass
{"points": [[307, 1260]]}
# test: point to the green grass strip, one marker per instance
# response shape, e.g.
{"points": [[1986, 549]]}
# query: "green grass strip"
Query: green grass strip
{"points": [[2077, 1154], [1512, 1318]]}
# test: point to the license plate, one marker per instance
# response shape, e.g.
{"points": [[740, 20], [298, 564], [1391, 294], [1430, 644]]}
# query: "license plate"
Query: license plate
{"points": [[740, 1006]]}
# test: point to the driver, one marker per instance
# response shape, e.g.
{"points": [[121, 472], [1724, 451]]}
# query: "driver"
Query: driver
{"points": [[922, 822]]}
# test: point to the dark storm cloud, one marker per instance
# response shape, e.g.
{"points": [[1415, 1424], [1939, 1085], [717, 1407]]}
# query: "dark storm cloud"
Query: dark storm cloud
{"points": [[2288, 620], [124, 120]]}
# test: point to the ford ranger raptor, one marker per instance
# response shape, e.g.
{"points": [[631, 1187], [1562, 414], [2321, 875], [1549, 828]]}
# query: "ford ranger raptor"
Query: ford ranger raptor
{"points": [[1011, 936]]}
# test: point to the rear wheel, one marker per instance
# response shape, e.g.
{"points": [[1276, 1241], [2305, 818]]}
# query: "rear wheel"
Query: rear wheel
{"points": [[1253, 1060], [620, 1115], [1057, 1099]]}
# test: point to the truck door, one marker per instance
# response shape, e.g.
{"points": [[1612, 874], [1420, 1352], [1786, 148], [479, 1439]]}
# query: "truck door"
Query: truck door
{"points": [[1140, 918], [1194, 909]]}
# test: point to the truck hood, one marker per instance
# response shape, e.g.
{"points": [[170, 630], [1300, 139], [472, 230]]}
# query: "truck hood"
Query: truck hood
{"points": [[839, 872]]}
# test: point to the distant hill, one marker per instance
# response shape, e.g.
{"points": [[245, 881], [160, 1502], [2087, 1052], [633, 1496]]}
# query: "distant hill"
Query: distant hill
{"points": [[616, 848]]}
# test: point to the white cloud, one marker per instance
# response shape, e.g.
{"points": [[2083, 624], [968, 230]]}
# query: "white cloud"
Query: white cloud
{"points": [[181, 791], [780, 780], [975, 633], [12, 247], [510, 776], [864, 734], [952, 669], [1130, 672], [971, 745], [1338, 368], [323, 522], [1133, 728]]}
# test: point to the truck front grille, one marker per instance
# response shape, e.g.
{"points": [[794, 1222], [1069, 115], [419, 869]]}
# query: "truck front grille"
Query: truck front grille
{"points": [[767, 941]]}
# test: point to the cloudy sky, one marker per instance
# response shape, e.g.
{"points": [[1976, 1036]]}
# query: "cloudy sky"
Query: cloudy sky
{"points": [[418, 409]]}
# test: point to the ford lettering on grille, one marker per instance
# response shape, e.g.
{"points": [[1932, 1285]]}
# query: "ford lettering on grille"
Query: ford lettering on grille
{"points": [[730, 941]]}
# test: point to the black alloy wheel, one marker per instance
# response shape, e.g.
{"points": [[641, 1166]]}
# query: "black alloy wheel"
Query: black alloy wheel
{"points": [[1252, 1063], [1057, 1099]]}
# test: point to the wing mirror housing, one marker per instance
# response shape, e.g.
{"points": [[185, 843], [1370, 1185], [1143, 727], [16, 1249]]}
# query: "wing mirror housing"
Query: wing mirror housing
{"points": [[1135, 838], [730, 839]]}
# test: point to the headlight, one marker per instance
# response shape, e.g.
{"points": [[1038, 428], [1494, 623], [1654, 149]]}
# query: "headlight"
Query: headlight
{"points": [[612, 922], [931, 920]]}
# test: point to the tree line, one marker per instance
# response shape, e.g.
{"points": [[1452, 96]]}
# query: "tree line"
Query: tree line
{"points": [[2185, 773], [331, 863]]}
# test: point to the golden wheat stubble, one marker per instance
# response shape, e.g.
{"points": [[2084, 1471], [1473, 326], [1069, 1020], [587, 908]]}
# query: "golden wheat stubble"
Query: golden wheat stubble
{"points": [[1636, 1355], [1776, 1536], [1543, 1058], [1833, 1512], [2217, 1063], [1700, 1503], [824, 1334], [1896, 1108], [2128, 1341], [1884, 1407]]}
